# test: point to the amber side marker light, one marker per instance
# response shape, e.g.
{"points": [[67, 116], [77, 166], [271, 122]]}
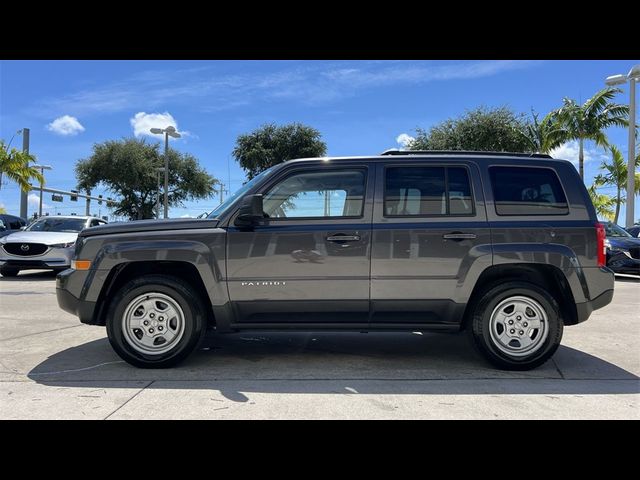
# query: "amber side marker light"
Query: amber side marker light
{"points": [[80, 264]]}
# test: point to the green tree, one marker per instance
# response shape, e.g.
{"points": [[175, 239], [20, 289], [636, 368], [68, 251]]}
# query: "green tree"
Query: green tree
{"points": [[3, 210], [589, 120], [543, 135], [482, 129], [128, 169], [15, 166], [604, 204], [616, 175], [271, 144]]}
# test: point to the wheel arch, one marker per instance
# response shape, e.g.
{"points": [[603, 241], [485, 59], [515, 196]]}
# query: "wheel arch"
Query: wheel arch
{"points": [[124, 272], [548, 277]]}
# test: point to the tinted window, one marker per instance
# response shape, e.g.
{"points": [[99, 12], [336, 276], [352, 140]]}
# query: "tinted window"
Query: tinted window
{"points": [[333, 193], [527, 191], [427, 191]]}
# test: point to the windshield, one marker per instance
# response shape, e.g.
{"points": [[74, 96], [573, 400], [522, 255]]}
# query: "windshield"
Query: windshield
{"points": [[58, 225], [239, 193], [615, 231]]}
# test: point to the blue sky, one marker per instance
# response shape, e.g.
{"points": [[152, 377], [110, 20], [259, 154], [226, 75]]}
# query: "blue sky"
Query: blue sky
{"points": [[360, 107]]}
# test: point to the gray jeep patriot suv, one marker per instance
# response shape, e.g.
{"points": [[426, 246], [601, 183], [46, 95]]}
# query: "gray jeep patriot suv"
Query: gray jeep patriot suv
{"points": [[506, 247]]}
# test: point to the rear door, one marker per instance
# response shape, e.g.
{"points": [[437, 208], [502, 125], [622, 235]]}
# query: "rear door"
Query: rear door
{"points": [[430, 233], [309, 262]]}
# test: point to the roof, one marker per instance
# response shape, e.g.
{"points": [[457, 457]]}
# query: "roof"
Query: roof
{"points": [[412, 154], [463, 152]]}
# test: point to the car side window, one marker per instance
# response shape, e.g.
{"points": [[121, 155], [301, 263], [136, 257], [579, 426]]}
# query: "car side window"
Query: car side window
{"points": [[94, 223], [317, 194], [427, 191], [527, 191]]}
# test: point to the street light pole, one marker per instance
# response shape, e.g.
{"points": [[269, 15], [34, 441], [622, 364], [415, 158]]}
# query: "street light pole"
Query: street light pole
{"points": [[166, 174], [23, 194], [42, 169], [159, 170], [631, 177], [633, 76], [170, 131]]}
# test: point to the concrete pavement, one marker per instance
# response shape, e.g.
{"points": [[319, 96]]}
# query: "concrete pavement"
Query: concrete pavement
{"points": [[53, 367]]}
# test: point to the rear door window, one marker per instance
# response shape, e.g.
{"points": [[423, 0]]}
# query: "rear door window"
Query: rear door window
{"points": [[427, 191], [527, 191]]}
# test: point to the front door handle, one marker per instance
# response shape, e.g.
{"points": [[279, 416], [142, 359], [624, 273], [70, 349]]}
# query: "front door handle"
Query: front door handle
{"points": [[343, 238], [459, 236]]}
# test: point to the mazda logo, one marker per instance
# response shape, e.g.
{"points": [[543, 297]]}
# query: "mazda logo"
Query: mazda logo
{"points": [[24, 247]]}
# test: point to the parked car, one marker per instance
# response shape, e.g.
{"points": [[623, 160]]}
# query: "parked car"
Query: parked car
{"points": [[11, 224], [623, 250], [506, 247], [634, 231], [47, 243]]}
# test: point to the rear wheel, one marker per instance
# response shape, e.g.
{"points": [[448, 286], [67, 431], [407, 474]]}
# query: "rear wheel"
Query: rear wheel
{"points": [[9, 272], [156, 321], [517, 325]]}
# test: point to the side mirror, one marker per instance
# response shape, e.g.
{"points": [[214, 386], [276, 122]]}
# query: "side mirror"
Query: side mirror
{"points": [[23, 228], [251, 211]]}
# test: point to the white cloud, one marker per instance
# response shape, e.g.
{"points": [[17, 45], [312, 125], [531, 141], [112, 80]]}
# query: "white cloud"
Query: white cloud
{"points": [[404, 140], [571, 151], [65, 125], [33, 201], [186, 215], [143, 122]]}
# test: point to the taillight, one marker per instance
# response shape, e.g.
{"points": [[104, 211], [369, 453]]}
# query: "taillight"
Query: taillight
{"points": [[601, 235]]}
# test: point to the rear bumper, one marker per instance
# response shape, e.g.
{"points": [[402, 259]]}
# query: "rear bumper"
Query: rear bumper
{"points": [[584, 309]]}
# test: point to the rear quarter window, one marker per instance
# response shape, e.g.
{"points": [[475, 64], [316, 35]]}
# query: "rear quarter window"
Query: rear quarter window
{"points": [[527, 191]]}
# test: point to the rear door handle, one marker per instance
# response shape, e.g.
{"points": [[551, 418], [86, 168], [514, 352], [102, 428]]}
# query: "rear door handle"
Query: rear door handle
{"points": [[343, 238], [459, 236]]}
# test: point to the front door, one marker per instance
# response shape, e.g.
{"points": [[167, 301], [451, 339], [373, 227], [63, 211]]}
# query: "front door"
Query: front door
{"points": [[309, 261], [430, 238]]}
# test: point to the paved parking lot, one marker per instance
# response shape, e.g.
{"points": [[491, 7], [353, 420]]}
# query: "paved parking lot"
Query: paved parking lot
{"points": [[55, 368]]}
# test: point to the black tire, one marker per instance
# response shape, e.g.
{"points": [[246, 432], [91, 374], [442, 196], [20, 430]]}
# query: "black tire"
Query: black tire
{"points": [[183, 294], [9, 272], [480, 325]]}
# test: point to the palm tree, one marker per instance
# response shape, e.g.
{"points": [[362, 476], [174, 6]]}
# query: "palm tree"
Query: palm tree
{"points": [[15, 165], [616, 175], [544, 135], [588, 121], [603, 203]]}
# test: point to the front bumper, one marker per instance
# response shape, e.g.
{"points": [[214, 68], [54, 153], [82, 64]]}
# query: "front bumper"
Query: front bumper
{"points": [[621, 263], [55, 258], [68, 285]]}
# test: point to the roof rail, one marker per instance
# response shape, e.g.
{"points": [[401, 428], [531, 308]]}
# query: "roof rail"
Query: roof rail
{"points": [[394, 151]]}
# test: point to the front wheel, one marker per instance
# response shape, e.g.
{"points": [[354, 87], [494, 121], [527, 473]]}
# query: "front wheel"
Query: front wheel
{"points": [[156, 321], [517, 325]]}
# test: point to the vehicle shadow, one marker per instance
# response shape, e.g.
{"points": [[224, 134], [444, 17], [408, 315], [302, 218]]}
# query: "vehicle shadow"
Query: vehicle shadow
{"points": [[31, 275], [398, 363]]}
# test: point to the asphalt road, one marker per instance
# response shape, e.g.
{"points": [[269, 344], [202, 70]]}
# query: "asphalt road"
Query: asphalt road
{"points": [[52, 367]]}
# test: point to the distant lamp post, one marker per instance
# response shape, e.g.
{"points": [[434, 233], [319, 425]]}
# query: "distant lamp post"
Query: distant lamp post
{"points": [[42, 169], [159, 170], [632, 77], [170, 131]]}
